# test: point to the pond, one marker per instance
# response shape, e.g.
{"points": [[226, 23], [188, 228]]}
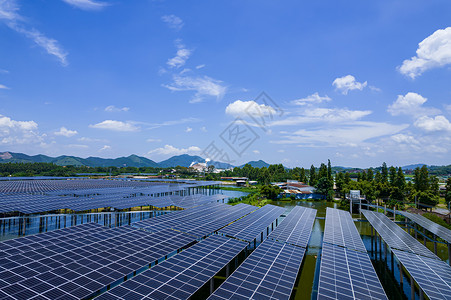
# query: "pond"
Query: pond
{"points": [[387, 270]]}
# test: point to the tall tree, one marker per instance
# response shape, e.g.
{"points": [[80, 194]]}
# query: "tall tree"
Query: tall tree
{"points": [[448, 191], [370, 175], [384, 172], [329, 170], [392, 175], [421, 179], [312, 176]]}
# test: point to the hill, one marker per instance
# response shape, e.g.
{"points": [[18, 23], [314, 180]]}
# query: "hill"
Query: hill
{"points": [[257, 164], [130, 161]]}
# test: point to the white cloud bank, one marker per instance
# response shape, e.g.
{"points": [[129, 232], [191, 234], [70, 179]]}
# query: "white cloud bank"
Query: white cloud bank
{"points": [[3, 87], [410, 104], [323, 115], [18, 132], [169, 150], [66, 132], [116, 126], [439, 123], [433, 52], [348, 83]]}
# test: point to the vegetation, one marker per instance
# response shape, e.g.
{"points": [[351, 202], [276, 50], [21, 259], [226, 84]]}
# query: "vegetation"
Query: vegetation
{"points": [[437, 219]]}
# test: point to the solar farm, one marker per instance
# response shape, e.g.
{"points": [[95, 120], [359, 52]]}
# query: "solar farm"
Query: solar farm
{"points": [[202, 248]]}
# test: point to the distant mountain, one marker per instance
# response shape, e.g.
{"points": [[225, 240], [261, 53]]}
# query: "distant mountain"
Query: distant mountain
{"points": [[183, 160], [413, 167], [130, 161], [257, 164]]}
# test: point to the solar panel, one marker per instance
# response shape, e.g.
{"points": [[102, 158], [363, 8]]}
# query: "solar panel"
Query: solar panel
{"points": [[198, 221], [347, 274], [78, 261], [251, 226], [340, 230], [182, 275], [431, 226], [433, 276], [268, 273], [32, 196], [395, 236], [296, 228]]}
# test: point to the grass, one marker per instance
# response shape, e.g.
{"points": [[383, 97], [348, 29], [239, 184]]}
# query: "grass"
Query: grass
{"points": [[434, 218], [241, 189]]}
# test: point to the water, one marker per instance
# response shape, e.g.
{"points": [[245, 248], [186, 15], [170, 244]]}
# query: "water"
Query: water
{"points": [[14, 227], [386, 266]]}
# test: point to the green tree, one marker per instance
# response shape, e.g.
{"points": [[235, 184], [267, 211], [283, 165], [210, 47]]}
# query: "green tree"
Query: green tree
{"points": [[392, 175], [421, 179], [370, 175], [448, 191], [312, 176], [270, 191], [384, 173]]}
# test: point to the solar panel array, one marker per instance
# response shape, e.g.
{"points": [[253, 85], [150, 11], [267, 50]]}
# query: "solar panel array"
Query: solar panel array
{"points": [[251, 226], [346, 271], [268, 273], [431, 226], [33, 196], [27, 203], [340, 230], [296, 228], [347, 274], [182, 275], [76, 262], [395, 236], [198, 221], [434, 277]]}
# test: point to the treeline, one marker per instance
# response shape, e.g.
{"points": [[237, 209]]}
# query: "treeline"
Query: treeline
{"points": [[320, 178], [49, 169], [389, 184]]}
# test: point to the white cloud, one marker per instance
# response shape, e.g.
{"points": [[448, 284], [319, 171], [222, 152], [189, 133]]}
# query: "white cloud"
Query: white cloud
{"points": [[188, 129], [66, 132], [153, 140], [323, 115], [348, 83], [3, 87], [248, 109], [203, 129], [312, 99], [404, 138], [91, 140], [438, 123], [18, 132], [104, 148], [169, 123], [256, 152], [173, 21], [200, 66], [180, 58], [171, 150], [203, 86], [281, 151], [87, 4], [112, 108], [77, 146], [9, 14], [410, 104], [355, 133], [433, 52], [116, 126]]}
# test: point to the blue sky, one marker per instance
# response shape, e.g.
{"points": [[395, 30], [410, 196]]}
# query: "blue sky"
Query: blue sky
{"points": [[357, 82]]}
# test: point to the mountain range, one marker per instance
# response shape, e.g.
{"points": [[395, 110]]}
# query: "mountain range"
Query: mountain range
{"points": [[183, 160]]}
